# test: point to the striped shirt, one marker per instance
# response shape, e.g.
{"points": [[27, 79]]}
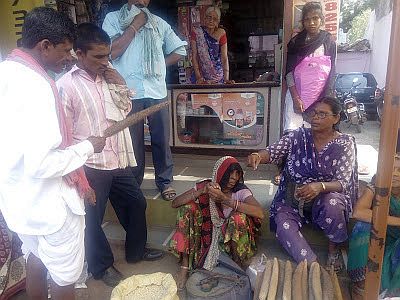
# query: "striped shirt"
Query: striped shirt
{"points": [[83, 101]]}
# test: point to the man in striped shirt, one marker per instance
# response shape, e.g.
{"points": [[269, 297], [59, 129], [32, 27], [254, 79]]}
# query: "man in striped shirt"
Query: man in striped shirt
{"points": [[94, 96]]}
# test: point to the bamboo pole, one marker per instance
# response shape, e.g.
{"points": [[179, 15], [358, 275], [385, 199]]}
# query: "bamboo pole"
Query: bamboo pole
{"points": [[387, 144], [134, 118]]}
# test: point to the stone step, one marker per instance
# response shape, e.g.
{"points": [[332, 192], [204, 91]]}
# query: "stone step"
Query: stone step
{"points": [[162, 217]]}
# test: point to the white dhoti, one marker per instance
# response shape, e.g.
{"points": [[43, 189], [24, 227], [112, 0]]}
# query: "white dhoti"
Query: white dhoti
{"points": [[62, 252], [292, 120]]}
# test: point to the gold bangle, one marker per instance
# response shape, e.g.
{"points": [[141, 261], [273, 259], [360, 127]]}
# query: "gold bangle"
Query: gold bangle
{"points": [[323, 186], [256, 153]]}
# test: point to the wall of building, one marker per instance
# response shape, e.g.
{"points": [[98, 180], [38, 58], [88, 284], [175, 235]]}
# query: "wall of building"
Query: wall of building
{"points": [[353, 62], [379, 37]]}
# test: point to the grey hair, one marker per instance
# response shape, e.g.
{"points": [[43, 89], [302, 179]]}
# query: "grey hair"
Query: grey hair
{"points": [[216, 9]]}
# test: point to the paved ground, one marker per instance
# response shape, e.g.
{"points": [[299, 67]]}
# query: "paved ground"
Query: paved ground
{"points": [[370, 133], [188, 170]]}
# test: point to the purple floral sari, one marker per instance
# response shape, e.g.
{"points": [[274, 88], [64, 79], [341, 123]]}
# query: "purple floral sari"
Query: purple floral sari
{"points": [[304, 164], [209, 53]]}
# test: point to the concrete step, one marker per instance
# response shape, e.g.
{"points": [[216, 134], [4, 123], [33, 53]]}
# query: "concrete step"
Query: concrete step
{"points": [[162, 217], [189, 169]]}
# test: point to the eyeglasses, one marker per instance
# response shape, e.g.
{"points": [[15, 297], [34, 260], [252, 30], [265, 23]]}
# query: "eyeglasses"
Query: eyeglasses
{"points": [[320, 114], [312, 20], [211, 18]]}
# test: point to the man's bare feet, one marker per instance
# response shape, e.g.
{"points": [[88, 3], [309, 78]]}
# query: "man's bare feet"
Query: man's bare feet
{"points": [[335, 258]]}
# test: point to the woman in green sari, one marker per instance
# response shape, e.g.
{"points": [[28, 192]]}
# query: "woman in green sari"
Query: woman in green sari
{"points": [[358, 246]]}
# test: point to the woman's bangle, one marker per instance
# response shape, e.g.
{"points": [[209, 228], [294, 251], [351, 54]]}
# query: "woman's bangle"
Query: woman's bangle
{"points": [[256, 153], [323, 186], [236, 205]]}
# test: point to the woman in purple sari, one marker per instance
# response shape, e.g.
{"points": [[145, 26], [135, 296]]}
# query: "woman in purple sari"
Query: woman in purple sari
{"points": [[319, 184], [210, 50]]}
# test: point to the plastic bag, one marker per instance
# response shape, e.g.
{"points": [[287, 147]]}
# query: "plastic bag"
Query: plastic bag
{"points": [[310, 76], [256, 267]]}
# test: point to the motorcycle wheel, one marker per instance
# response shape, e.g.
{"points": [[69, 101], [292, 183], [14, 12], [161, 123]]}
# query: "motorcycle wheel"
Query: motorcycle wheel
{"points": [[379, 110], [358, 128]]}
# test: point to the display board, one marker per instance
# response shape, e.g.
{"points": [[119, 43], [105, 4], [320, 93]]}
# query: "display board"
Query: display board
{"points": [[330, 10], [12, 16]]}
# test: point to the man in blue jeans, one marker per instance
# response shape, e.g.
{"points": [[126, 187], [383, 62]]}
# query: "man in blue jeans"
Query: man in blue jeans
{"points": [[142, 46]]}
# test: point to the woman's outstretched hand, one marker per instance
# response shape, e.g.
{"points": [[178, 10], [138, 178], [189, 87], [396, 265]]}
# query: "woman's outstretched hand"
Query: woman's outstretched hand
{"points": [[253, 160], [229, 81], [309, 191]]}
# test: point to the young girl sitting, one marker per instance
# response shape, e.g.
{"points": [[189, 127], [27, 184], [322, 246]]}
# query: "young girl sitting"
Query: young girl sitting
{"points": [[359, 240]]}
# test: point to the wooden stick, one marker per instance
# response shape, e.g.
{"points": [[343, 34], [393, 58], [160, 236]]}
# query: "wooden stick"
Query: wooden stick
{"points": [[134, 118], [387, 144]]}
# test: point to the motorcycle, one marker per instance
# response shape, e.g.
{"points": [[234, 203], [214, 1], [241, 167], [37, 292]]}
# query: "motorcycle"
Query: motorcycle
{"points": [[379, 101], [354, 112]]}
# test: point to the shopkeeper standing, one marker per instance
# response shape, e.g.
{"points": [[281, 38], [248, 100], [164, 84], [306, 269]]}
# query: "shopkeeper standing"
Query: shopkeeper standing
{"points": [[140, 40]]}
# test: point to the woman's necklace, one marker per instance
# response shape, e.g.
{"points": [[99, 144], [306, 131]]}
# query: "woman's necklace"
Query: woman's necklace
{"points": [[309, 38]]}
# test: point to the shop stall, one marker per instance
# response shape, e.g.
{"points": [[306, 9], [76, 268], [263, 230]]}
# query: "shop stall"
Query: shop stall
{"points": [[244, 115]]}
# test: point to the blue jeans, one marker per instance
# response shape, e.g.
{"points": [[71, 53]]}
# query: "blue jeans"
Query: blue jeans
{"points": [[159, 132]]}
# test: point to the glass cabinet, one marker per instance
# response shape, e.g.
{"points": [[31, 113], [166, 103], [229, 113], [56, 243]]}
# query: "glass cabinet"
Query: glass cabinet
{"points": [[235, 117]]}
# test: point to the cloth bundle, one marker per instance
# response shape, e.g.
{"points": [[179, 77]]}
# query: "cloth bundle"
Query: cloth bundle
{"points": [[118, 103], [151, 53], [156, 286]]}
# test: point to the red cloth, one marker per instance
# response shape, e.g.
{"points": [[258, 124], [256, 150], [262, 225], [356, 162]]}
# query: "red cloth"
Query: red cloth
{"points": [[192, 36], [76, 178], [223, 40], [224, 166]]}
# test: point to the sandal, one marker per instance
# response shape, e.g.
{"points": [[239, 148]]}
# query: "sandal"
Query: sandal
{"points": [[168, 194], [335, 260], [357, 293], [277, 179]]}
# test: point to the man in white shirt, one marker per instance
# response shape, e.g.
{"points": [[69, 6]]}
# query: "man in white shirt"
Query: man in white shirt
{"points": [[42, 183]]}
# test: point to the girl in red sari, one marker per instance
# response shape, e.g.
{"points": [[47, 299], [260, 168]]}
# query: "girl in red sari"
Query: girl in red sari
{"points": [[216, 215]]}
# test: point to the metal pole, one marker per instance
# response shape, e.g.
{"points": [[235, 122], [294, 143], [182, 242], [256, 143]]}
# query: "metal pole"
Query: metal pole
{"points": [[387, 144]]}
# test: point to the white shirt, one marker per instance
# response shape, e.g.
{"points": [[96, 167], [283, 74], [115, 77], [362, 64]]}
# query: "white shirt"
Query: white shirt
{"points": [[33, 195]]}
